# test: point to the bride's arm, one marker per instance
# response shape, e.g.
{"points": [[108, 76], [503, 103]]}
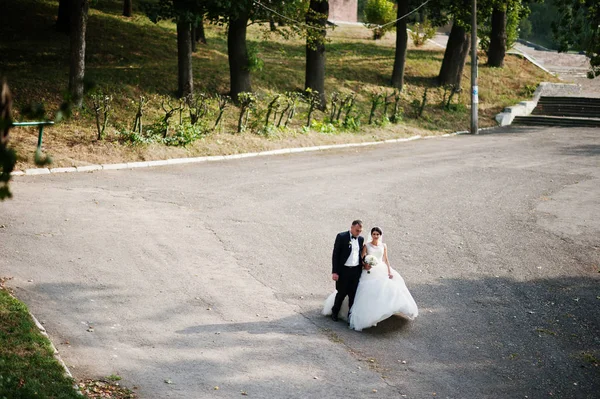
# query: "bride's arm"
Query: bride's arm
{"points": [[387, 262]]}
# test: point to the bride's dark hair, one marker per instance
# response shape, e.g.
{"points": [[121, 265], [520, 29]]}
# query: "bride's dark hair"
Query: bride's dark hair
{"points": [[377, 229]]}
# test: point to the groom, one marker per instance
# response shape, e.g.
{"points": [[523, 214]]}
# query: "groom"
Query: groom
{"points": [[346, 264]]}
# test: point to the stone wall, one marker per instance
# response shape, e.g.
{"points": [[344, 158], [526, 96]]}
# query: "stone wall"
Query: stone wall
{"points": [[343, 10]]}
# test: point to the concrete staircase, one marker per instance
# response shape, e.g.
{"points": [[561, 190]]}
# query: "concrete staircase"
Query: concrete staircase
{"points": [[564, 112]]}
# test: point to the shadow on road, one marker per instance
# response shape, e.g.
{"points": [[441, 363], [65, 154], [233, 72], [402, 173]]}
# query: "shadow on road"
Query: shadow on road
{"points": [[495, 337], [585, 150]]}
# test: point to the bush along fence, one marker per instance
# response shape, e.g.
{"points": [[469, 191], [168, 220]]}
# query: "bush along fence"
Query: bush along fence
{"points": [[180, 122]]}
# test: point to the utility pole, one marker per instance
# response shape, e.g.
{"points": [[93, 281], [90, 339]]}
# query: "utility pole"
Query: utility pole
{"points": [[474, 88]]}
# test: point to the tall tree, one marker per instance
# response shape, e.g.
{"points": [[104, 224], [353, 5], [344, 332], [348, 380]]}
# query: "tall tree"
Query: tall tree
{"points": [[498, 29], [237, 51], [237, 15], [316, 19], [497, 47], [63, 21], [401, 46], [455, 55], [184, 13], [127, 8], [199, 34], [185, 80], [459, 42], [79, 19]]}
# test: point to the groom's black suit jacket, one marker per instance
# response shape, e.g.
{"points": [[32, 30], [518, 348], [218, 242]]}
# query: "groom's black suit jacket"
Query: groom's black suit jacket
{"points": [[342, 250]]}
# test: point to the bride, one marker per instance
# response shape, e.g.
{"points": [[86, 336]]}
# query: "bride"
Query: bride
{"points": [[381, 291]]}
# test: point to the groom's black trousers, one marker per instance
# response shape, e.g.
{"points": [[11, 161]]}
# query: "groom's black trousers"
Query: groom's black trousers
{"points": [[346, 286]]}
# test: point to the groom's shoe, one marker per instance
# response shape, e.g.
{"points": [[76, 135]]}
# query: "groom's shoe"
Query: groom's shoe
{"points": [[334, 317]]}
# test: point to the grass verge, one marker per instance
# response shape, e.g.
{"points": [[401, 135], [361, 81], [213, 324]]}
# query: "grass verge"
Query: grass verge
{"points": [[28, 368]]}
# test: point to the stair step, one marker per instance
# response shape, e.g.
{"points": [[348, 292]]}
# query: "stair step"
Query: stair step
{"points": [[583, 112], [572, 107], [556, 121], [590, 101]]}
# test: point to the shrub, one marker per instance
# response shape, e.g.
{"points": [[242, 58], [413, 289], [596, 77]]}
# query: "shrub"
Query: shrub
{"points": [[422, 32], [380, 12]]}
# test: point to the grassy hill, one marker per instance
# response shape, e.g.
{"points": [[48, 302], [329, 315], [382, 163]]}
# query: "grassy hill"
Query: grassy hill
{"points": [[132, 57]]}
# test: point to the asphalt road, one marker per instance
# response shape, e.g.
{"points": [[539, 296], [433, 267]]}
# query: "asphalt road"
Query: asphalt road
{"points": [[213, 274]]}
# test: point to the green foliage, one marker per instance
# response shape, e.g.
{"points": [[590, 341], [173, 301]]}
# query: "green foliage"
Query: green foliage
{"points": [[181, 134], [255, 63], [378, 13], [185, 134], [528, 90], [578, 28], [422, 32], [516, 11], [114, 377], [192, 122], [525, 28], [537, 26], [323, 127]]}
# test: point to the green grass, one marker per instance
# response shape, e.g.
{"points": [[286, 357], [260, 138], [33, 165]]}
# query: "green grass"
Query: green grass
{"points": [[128, 58], [28, 368]]}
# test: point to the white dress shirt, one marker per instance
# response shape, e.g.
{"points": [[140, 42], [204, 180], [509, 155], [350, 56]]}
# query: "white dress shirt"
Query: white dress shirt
{"points": [[354, 255]]}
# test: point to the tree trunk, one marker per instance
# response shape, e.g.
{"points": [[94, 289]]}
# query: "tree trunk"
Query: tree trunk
{"points": [[63, 22], [194, 34], [127, 8], [455, 56], [200, 35], [497, 49], [237, 51], [315, 48], [184, 58], [401, 46], [79, 19], [272, 25]]}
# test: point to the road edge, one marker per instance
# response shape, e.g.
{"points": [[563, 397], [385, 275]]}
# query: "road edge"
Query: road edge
{"points": [[179, 161]]}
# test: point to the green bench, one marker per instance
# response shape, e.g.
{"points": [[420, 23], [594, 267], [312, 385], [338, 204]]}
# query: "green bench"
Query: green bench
{"points": [[40, 126]]}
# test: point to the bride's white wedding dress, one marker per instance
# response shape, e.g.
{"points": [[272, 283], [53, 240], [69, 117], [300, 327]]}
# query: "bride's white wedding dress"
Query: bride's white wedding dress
{"points": [[377, 297]]}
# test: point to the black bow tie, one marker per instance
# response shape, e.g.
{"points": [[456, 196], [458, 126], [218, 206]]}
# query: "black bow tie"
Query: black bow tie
{"points": [[354, 238]]}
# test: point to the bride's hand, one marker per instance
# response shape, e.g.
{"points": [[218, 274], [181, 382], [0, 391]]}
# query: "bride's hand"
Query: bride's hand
{"points": [[390, 275]]}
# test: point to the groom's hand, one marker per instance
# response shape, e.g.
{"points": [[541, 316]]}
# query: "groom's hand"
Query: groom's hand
{"points": [[367, 266], [335, 276]]}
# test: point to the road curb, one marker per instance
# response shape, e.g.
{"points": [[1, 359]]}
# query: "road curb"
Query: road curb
{"points": [[180, 161], [54, 350]]}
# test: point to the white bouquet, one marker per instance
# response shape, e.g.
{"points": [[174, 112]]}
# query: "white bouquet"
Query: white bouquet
{"points": [[371, 261]]}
